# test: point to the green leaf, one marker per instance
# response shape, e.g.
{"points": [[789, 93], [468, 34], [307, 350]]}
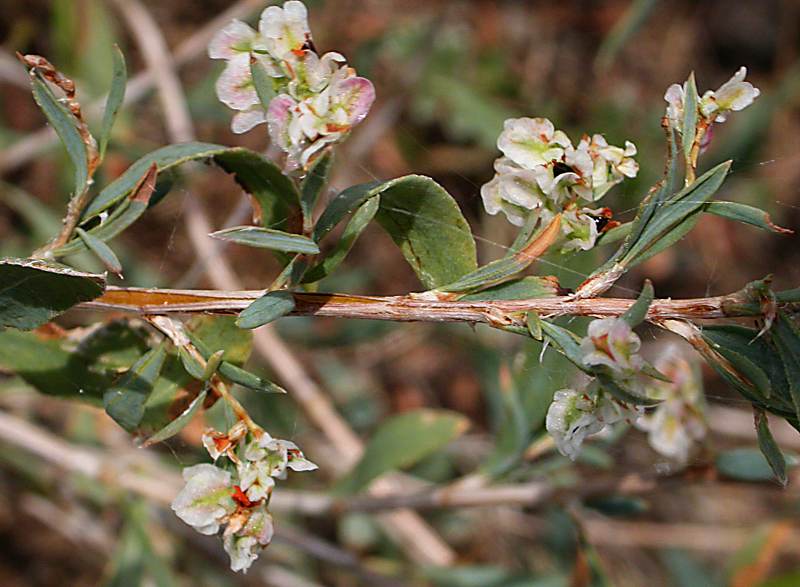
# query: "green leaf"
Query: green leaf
{"points": [[620, 391], [422, 219], [524, 288], [746, 215], [276, 194], [265, 238], [164, 158], [565, 342], [636, 314], [689, 126], [125, 401], [121, 218], [212, 333], [265, 309], [401, 441], [33, 292], [114, 101], [178, 423], [787, 340], [770, 448], [247, 379], [744, 464], [314, 182], [262, 82], [352, 231], [63, 122], [101, 250], [534, 324]]}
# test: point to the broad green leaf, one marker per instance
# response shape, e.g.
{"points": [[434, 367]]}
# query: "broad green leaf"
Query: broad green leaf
{"points": [[689, 124], [172, 393], [114, 101], [746, 215], [63, 122], [276, 194], [401, 441], [265, 238], [33, 292], [178, 423], [265, 309], [164, 158], [262, 82], [636, 314], [524, 288], [121, 218], [352, 231], [770, 448], [125, 401], [101, 250], [213, 333], [510, 265], [314, 182], [422, 219], [744, 464]]}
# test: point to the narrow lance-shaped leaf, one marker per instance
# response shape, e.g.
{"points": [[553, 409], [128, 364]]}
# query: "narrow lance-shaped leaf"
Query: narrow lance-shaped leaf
{"points": [[265, 309], [125, 401], [689, 123], [114, 101], [122, 217], [101, 250], [746, 215], [33, 292], [524, 288], [313, 184], [64, 124], [178, 423], [262, 82], [769, 447], [787, 340], [265, 238], [401, 441], [352, 231], [636, 314]]}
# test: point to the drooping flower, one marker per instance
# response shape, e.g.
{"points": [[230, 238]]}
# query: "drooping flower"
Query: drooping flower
{"points": [[678, 422], [612, 343], [574, 415], [244, 543], [205, 503]]}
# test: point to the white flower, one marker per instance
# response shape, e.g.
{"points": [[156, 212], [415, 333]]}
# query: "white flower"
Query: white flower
{"points": [[679, 420], [579, 228], [218, 443], [243, 544], [612, 342], [235, 39], [574, 415], [206, 501], [675, 99], [732, 96], [285, 29], [610, 164], [529, 142]]}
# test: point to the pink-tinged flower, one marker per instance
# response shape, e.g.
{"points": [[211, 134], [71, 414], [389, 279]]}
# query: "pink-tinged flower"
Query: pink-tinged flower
{"points": [[285, 29], [205, 502], [678, 422], [732, 96], [675, 99], [611, 342], [532, 141], [248, 119], [235, 39], [244, 543], [574, 415], [235, 86], [279, 117]]}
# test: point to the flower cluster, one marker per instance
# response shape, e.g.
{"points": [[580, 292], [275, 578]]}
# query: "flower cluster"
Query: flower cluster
{"points": [[317, 100], [679, 420], [714, 106], [236, 495], [542, 173], [609, 343]]}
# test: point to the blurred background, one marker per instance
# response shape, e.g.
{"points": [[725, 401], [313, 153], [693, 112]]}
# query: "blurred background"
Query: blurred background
{"points": [[447, 74]]}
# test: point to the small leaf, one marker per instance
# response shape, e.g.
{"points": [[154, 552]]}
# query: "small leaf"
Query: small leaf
{"points": [[689, 126], [401, 441], [636, 314], [101, 250], [534, 324], [524, 288], [265, 238], [265, 309], [621, 391], [212, 364], [262, 82], [63, 122], [125, 401], [33, 292], [352, 231], [770, 448], [247, 379], [114, 101], [565, 342], [746, 215], [744, 464], [178, 423], [314, 182], [190, 363]]}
